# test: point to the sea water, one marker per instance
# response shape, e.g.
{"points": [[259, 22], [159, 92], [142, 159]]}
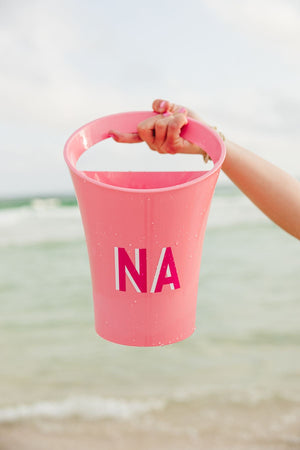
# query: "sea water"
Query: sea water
{"points": [[234, 382]]}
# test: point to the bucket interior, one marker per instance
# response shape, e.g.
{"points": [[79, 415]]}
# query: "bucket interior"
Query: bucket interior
{"points": [[143, 180]]}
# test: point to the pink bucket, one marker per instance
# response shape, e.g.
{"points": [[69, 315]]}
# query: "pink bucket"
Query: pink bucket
{"points": [[144, 233]]}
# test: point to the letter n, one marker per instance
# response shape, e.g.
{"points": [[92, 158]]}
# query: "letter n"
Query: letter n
{"points": [[166, 272], [137, 273]]}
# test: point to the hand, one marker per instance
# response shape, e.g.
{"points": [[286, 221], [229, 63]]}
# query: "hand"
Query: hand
{"points": [[162, 132]]}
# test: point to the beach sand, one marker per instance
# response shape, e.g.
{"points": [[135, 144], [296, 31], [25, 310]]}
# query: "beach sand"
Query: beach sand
{"points": [[210, 429]]}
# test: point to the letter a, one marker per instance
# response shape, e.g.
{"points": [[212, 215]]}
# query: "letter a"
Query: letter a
{"points": [[165, 272], [137, 273]]}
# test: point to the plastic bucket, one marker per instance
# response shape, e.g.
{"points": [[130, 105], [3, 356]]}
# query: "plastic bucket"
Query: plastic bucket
{"points": [[144, 234]]}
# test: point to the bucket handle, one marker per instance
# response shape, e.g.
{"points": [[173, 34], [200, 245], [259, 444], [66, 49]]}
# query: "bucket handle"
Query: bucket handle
{"points": [[98, 130]]}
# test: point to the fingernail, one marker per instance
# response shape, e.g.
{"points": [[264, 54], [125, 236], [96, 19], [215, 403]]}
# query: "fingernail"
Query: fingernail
{"points": [[162, 105], [166, 114], [182, 110]]}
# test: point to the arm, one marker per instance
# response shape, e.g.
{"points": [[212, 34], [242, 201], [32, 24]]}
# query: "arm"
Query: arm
{"points": [[273, 191]]}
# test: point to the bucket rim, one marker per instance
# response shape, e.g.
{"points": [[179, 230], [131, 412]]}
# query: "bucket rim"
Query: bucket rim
{"points": [[142, 115]]}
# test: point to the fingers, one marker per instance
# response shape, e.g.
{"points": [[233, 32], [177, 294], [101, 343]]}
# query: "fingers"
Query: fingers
{"points": [[128, 138], [146, 131], [174, 142], [154, 130], [161, 106], [162, 132]]}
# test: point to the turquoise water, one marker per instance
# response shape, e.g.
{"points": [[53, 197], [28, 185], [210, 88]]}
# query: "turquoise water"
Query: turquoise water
{"points": [[243, 356]]}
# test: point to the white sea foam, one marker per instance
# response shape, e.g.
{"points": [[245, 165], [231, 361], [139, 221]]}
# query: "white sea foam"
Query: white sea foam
{"points": [[92, 408], [88, 408], [39, 222], [44, 220]]}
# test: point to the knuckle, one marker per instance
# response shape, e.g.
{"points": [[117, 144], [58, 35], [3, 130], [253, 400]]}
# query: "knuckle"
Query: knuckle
{"points": [[141, 127], [173, 126], [176, 121], [172, 148], [142, 130], [160, 125]]}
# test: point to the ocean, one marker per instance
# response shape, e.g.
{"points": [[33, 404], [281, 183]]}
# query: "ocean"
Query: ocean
{"points": [[234, 384]]}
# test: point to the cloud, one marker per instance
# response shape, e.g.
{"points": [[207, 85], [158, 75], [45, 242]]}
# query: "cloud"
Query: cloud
{"points": [[42, 79], [275, 23], [64, 63]]}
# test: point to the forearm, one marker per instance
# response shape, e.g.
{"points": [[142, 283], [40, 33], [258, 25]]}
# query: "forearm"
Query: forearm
{"points": [[271, 189]]}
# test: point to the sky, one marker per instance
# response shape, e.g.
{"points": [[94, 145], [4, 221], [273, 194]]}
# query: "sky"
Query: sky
{"points": [[67, 62]]}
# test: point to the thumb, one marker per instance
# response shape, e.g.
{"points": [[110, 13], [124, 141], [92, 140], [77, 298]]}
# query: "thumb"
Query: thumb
{"points": [[161, 106]]}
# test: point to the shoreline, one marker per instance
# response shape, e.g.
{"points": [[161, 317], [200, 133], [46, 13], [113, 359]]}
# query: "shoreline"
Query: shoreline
{"points": [[212, 428]]}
